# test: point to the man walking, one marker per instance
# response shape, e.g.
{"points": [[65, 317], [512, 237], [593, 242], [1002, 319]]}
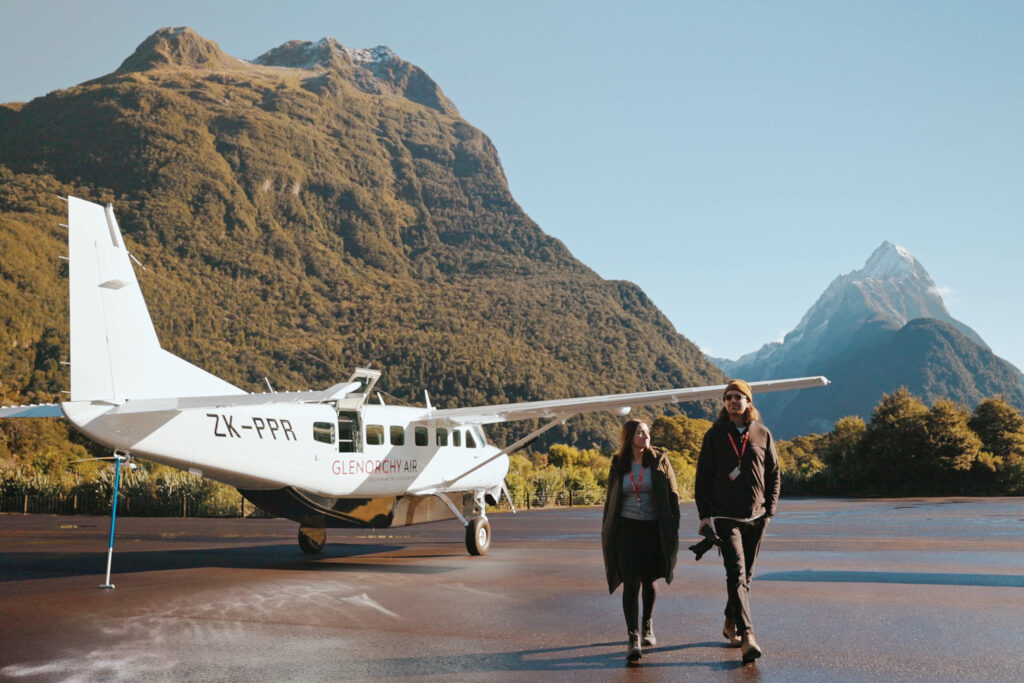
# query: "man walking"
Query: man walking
{"points": [[736, 491]]}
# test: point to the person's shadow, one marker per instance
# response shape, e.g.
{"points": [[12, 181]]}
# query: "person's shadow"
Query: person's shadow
{"points": [[568, 659]]}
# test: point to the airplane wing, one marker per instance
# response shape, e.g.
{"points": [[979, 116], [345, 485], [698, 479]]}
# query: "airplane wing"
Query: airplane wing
{"points": [[618, 403]]}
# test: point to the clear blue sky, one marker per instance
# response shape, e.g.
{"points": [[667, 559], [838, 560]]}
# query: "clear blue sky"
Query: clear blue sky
{"points": [[731, 158]]}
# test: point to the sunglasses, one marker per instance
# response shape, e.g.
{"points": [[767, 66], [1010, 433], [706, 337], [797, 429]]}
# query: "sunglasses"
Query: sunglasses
{"points": [[734, 397]]}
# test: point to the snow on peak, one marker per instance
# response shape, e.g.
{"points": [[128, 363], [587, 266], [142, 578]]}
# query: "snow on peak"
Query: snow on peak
{"points": [[308, 55], [374, 55], [889, 262]]}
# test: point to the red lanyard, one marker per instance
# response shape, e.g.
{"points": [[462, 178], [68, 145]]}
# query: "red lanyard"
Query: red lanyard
{"points": [[635, 484], [738, 451]]}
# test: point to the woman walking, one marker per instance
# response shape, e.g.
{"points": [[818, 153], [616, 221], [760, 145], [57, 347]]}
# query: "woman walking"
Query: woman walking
{"points": [[640, 529]]}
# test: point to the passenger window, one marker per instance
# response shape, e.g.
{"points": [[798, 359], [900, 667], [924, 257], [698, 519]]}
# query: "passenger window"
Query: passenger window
{"points": [[323, 432], [470, 441], [421, 436], [397, 436], [456, 437], [374, 435], [442, 437]]}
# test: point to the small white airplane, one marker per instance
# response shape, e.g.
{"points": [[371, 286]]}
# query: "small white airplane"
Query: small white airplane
{"points": [[321, 458]]}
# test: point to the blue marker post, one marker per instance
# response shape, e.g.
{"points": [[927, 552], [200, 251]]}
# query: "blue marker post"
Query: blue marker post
{"points": [[113, 517]]}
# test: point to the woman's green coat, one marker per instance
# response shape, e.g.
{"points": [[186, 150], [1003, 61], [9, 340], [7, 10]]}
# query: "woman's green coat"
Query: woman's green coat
{"points": [[666, 500]]}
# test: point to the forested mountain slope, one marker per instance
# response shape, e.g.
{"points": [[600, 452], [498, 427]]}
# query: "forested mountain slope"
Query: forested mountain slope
{"points": [[316, 209]]}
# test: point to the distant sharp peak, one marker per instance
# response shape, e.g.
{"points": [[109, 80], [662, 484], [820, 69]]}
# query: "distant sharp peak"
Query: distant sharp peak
{"points": [[178, 46], [324, 53], [892, 285], [890, 262]]}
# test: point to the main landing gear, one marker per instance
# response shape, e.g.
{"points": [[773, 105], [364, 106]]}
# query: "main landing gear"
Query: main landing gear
{"points": [[478, 529], [312, 538]]}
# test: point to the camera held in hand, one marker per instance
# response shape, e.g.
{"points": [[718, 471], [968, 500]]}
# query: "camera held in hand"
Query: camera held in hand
{"points": [[709, 541]]}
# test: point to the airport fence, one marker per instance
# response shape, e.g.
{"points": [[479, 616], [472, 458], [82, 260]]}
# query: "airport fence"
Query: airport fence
{"points": [[86, 504], [193, 506], [563, 498]]}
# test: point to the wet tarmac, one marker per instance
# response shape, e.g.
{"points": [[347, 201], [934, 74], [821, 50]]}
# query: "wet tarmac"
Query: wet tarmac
{"points": [[876, 590]]}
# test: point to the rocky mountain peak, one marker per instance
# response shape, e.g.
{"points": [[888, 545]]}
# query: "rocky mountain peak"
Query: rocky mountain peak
{"points": [[179, 47], [377, 71], [871, 331], [325, 53], [891, 289], [892, 262]]}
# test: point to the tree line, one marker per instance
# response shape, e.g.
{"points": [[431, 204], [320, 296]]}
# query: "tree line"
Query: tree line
{"points": [[905, 449], [909, 449]]}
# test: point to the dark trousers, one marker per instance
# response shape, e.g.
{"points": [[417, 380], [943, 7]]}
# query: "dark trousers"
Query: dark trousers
{"points": [[641, 563], [740, 543]]}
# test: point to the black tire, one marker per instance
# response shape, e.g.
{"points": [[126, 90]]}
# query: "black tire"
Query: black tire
{"points": [[478, 536], [312, 539]]}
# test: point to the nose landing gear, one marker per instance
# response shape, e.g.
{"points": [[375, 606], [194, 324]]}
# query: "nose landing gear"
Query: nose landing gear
{"points": [[478, 535]]}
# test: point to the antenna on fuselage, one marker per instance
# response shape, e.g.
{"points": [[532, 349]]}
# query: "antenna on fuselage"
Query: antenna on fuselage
{"points": [[427, 396], [267, 380]]}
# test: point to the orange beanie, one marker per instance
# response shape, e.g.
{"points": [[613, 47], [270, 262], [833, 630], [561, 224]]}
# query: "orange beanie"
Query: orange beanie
{"points": [[740, 386]]}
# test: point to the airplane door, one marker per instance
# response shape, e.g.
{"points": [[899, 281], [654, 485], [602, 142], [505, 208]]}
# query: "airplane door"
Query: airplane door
{"points": [[348, 431]]}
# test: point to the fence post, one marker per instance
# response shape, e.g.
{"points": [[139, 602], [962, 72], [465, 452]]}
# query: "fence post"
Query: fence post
{"points": [[570, 497], [26, 504]]}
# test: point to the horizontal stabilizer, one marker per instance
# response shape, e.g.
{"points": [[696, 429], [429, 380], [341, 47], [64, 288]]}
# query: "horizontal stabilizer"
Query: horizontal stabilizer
{"points": [[35, 410]]}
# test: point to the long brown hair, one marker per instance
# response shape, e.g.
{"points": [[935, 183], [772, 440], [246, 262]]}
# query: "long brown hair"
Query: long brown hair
{"points": [[626, 447]]}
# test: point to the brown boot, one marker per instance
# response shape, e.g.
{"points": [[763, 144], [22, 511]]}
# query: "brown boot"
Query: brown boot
{"points": [[750, 649], [633, 654], [729, 633], [648, 634]]}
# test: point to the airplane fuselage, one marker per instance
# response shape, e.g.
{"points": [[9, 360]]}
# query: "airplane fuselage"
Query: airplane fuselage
{"points": [[368, 451]]}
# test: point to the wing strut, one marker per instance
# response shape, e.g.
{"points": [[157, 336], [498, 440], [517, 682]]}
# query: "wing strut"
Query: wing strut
{"points": [[508, 497], [451, 506]]}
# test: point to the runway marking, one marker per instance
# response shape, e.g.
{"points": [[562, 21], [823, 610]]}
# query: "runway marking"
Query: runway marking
{"points": [[364, 600]]}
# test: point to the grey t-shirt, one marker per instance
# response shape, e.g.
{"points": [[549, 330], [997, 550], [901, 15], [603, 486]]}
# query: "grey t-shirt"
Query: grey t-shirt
{"points": [[631, 506]]}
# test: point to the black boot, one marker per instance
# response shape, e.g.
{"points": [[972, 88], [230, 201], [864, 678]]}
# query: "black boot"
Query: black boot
{"points": [[633, 653], [648, 634]]}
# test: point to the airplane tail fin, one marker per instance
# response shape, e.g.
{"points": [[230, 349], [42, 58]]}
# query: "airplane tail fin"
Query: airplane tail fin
{"points": [[115, 353]]}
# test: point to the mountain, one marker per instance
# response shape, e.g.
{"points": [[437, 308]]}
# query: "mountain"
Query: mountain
{"points": [[312, 210], [872, 331]]}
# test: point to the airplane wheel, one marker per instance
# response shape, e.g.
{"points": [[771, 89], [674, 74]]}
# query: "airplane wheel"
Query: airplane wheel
{"points": [[478, 536], [312, 539]]}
